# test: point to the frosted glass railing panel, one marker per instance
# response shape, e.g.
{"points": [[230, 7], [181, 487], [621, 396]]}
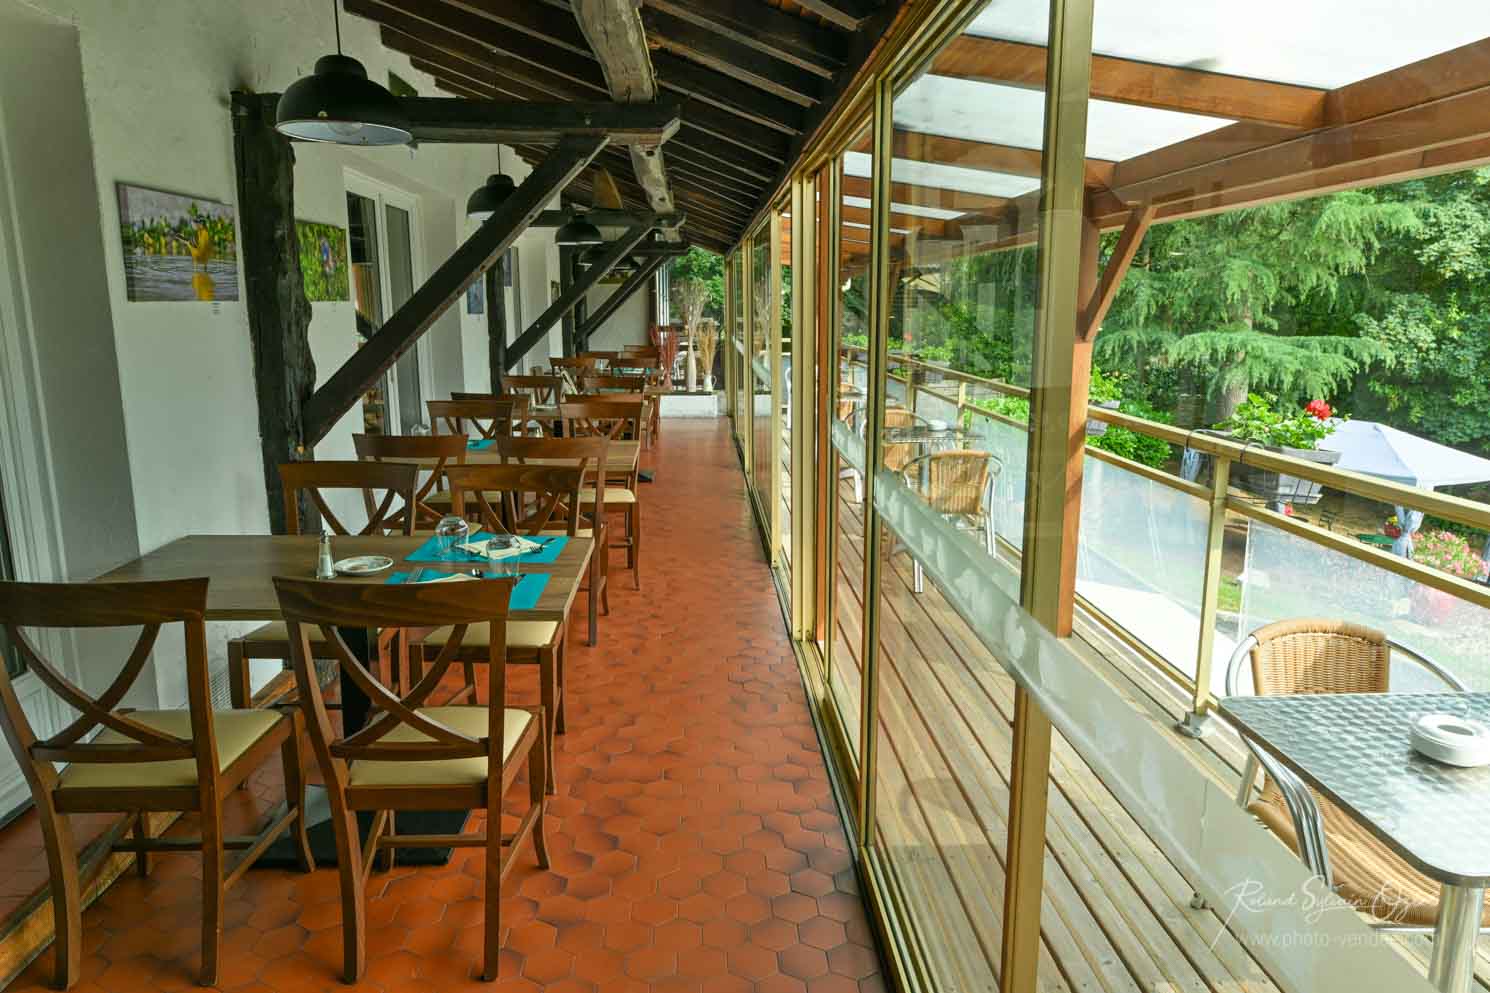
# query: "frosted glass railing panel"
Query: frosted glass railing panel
{"points": [[936, 408], [1141, 559], [1290, 577], [1010, 445], [849, 445]]}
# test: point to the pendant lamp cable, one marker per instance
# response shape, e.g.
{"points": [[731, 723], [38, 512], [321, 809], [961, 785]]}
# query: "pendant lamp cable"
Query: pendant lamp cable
{"points": [[336, 19]]}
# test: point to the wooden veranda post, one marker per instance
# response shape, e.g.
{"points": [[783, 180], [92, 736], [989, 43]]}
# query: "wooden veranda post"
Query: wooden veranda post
{"points": [[274, 292], [1061, 372], [496, 320]]}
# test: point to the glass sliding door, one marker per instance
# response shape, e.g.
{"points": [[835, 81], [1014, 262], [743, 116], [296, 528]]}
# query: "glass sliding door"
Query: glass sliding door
{"points": [[782, 351], [764, 322]]}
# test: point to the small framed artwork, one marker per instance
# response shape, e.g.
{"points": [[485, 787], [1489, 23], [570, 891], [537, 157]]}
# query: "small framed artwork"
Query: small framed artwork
{"points": [[177, 247], [323, 261], [476, 296]]}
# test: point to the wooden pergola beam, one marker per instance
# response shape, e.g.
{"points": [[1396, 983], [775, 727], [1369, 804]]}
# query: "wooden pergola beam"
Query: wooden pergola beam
{"points": [[576, 291], [923, 196], [1092, 315], [1011, 160], [1142, 84], [341, 391]]}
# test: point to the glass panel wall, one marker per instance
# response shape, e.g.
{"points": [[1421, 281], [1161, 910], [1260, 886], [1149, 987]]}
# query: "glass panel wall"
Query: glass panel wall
{"points": [[764, 319], [783, 406], [736, 356], [849, 296]]}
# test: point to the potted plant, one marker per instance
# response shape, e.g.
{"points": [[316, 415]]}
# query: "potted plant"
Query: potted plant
{"points": [[1296, 435], [1392, 528], [708, 344], [1447, 552], [1106, 392]]}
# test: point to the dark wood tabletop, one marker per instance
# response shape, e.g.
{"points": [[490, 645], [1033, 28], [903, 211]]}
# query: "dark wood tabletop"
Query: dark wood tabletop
{"points": [[242, 567]]}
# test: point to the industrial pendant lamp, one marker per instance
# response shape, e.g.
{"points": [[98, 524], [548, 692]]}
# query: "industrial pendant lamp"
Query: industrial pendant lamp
{"points": [[339, 104], [491, 194], [578, 231]]}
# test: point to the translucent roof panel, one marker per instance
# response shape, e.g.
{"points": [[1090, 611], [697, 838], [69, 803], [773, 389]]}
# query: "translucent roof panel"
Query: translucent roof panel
{"points": [[1012, 115], [1324, 43], [995, 184], [914, 210]]}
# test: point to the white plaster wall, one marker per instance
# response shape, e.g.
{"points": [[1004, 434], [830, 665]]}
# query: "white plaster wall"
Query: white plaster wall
{"points": [[156, 82], [628, 325]]}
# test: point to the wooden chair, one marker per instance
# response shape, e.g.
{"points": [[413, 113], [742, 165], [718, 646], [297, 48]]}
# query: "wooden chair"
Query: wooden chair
{"points": [[396, 479], [555, 507], [955, 484], [576, 366], [897, 456], [614, 416], [1317, 655], [411, 756], [588, 454], [596, 385], [144, 760], [432, 453], [543, 392], [491, 416]]}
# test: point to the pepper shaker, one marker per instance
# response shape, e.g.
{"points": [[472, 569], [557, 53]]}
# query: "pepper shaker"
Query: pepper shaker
{"points": [[325, 564]]}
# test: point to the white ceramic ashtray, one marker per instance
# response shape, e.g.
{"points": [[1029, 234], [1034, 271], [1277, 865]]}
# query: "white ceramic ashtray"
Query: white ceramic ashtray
{"points": [[1452, 740], [363, 565]]}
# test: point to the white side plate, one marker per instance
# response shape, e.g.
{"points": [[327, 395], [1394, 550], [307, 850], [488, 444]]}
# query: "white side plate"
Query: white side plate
{"points": [[363, 565]]}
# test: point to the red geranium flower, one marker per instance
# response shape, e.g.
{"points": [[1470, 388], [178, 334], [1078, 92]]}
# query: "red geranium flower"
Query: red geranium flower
{"points": [[1319, 409]]}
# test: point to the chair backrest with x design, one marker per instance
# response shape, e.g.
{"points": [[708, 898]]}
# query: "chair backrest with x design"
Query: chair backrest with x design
{"points": [[396, 479], [149, 606], [554, 491], [546, 391], [577, 365], [430, 453], [608, 415], [491, 416], [315, 611], [600, 383], [588, 454]]}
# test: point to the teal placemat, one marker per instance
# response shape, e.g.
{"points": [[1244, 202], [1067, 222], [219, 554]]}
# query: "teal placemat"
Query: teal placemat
{"points": [[552, 545], [480, 444], [525, 593]]}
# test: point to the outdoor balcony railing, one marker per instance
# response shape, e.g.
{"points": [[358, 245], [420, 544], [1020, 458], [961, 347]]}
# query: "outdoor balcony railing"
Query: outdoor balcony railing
{"points": [[1150, 557]]}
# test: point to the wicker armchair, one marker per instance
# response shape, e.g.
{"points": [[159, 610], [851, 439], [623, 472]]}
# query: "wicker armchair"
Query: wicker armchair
{"points": [[956, 484], [1313, 655]]}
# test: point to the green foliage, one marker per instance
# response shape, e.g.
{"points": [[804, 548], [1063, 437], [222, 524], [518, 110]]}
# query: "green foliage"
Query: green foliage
{"points": [[1152, 452], [1257, 420], [706, 267], [1104, 388]]}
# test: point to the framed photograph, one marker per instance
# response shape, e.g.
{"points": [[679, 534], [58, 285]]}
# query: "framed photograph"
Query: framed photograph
{"points": [[176, 246], [476, 296], [323, 261]]}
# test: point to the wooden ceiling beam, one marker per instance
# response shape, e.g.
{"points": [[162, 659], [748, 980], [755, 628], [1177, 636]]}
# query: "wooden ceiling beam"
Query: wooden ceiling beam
{"points": [[545, 22], [723, 54], [923, 196], [1010, 160], [928, 226], [1142, 84], [850, 15], [448, 120], [792, 39], [728, 94]]}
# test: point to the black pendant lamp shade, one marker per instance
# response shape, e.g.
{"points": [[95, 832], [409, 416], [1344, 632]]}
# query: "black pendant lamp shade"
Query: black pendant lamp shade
{"points": [[489, 196], [578, 231], [338, 103]]}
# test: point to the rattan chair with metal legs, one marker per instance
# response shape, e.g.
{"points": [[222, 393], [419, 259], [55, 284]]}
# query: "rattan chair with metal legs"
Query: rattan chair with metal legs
{"points": [[1317, 655], [956, 484]]}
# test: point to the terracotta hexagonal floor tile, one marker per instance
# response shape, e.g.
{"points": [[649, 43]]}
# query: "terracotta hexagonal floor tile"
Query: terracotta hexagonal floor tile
{"points": [[854, 961], [751, 961], [548, 965]]}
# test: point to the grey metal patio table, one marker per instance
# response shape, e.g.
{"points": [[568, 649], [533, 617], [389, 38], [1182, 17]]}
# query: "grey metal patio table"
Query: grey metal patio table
{"points": [[1353, 748]]}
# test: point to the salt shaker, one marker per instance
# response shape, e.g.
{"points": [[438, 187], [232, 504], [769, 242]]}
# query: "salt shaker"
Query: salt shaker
{"points": [[325, 565]]}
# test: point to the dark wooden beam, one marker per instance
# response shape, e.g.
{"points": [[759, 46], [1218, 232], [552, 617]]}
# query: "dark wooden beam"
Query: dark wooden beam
{"points": [[566, 284], [490, 122], [792, 39], [704, 46], [618, 296], [850, 15], [715, 88], [617, 251], [610, 218], [549, 23], [496, 320], [445, 286], [274, 294]]}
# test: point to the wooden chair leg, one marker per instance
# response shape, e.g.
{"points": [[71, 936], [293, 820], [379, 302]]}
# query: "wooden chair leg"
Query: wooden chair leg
{"points": [[538, 771], [240, 691], [293, 760], [563, 650], [548, 691], [596, 592], [67, 896], [212, 893], [635, 552], [141, 832], [491, 938], [349, 867]]}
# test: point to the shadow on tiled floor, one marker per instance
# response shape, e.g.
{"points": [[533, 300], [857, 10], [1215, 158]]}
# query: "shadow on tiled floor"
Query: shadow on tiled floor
{"points": [[695, 842]]}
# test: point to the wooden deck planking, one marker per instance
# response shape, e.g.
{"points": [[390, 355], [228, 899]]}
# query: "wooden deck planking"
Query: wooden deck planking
{"points": [[1108, 923]]}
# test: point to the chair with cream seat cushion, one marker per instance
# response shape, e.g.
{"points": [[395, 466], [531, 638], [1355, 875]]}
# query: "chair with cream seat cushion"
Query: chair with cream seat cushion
{"points": [[614, 416], [138, 762], [310, 481], [412, 756]]}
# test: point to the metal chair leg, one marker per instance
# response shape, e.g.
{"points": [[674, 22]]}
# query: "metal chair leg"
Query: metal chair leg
{"points": [[918, 576]]}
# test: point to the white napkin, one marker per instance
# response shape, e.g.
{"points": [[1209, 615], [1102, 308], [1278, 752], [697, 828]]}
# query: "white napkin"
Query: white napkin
{"points": [[520, 546]]}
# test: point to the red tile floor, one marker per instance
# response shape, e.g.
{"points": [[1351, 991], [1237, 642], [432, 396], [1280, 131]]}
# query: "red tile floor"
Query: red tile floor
{"points": [[696, 845]]}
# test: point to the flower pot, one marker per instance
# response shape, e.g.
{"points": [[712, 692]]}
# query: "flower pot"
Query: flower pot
{"points": [[1094, 427], [1280, 487], [1431, 606], [1392, 531], [708, 382]]}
